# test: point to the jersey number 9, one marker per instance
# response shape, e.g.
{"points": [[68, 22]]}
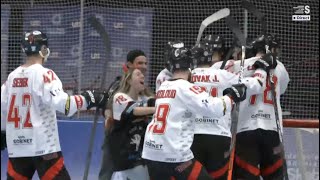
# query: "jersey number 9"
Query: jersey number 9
{"points": [[158, 126]]}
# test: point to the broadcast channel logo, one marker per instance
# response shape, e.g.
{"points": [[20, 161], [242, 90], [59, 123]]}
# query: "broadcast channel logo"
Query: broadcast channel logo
{"points": [[301, 13]]}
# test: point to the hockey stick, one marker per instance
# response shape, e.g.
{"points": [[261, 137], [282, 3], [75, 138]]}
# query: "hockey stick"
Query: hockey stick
{"points": [[93, 21], [254, 10], [226, 58], [214, 17], [261, 17], [251, 8], [235, 28], [276, 112]]}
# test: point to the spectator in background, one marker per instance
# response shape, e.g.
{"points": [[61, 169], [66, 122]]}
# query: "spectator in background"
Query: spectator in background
{"points": [[131, 106], [136, 59]]}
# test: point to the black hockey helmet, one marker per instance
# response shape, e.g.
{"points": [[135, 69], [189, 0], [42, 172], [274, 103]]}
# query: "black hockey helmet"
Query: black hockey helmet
{"points": [[171, 45], [273, 41], [259, 44], [180, 59], [201, 55], [214, 43], [35, 42]]}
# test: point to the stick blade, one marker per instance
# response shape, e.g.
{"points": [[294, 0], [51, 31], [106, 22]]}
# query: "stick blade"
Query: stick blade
{"points": [[253, 9], [222, 13], [235, 28]]}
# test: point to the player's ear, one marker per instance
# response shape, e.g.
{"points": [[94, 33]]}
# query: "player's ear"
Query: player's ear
{"points": [[130, 65], [44, 52]]}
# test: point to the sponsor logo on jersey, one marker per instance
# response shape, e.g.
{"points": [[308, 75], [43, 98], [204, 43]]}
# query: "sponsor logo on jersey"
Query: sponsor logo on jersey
{"points": [[187, 114], [40, 152], [205, 119], [224, 133], [170, 159], [261, 115], [153, 145], [21, 140]]}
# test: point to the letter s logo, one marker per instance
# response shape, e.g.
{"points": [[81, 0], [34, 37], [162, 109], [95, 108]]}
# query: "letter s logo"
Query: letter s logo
{"points": [[307, 9]]}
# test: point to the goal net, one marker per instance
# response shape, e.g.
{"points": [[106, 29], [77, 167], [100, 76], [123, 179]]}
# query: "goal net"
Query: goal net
{"points": [[84, 56]]}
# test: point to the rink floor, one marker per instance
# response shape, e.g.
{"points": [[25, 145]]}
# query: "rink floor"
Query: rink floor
{"points": [[74, 139]]}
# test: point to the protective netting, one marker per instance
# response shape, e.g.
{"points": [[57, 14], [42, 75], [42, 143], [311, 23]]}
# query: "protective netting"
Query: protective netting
{"points": [[83, 59]]}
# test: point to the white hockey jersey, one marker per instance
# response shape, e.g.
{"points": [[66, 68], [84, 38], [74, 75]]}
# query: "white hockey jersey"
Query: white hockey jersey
{"points": [[257, 111], [169, 136], [214, 81], [29, 100], [229, 65], [164, 75]]}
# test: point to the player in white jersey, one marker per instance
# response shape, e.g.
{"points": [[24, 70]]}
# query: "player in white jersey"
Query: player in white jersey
{"points": [[29, 100], [258, 151], [166, 74], [170, 134], [236, 55], [214, 81], [216, 45]]}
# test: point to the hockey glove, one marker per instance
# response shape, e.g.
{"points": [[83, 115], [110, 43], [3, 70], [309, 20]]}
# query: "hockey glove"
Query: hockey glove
{"points": [[3, 140], [95, 99], [266, 62], [236, 92]]}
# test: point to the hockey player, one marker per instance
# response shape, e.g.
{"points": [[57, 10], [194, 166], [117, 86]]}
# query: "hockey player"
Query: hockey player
{"points": [[216, 46], [236, 55], [214, 81], [29, 100], [131, 106], [258, 151], [170, 134], [166, 74]]}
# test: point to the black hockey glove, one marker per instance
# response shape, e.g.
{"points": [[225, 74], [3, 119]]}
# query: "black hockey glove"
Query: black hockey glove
{"points": [[237, 92], [95, 99], [3, 140], [266, 62]]}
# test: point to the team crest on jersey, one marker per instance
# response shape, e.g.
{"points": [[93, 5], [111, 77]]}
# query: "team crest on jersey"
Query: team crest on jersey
{"points": [[187, 114], [205, 102]]}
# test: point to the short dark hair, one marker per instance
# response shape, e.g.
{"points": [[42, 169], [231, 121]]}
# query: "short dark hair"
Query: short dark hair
{"points": [[133, 54]]}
